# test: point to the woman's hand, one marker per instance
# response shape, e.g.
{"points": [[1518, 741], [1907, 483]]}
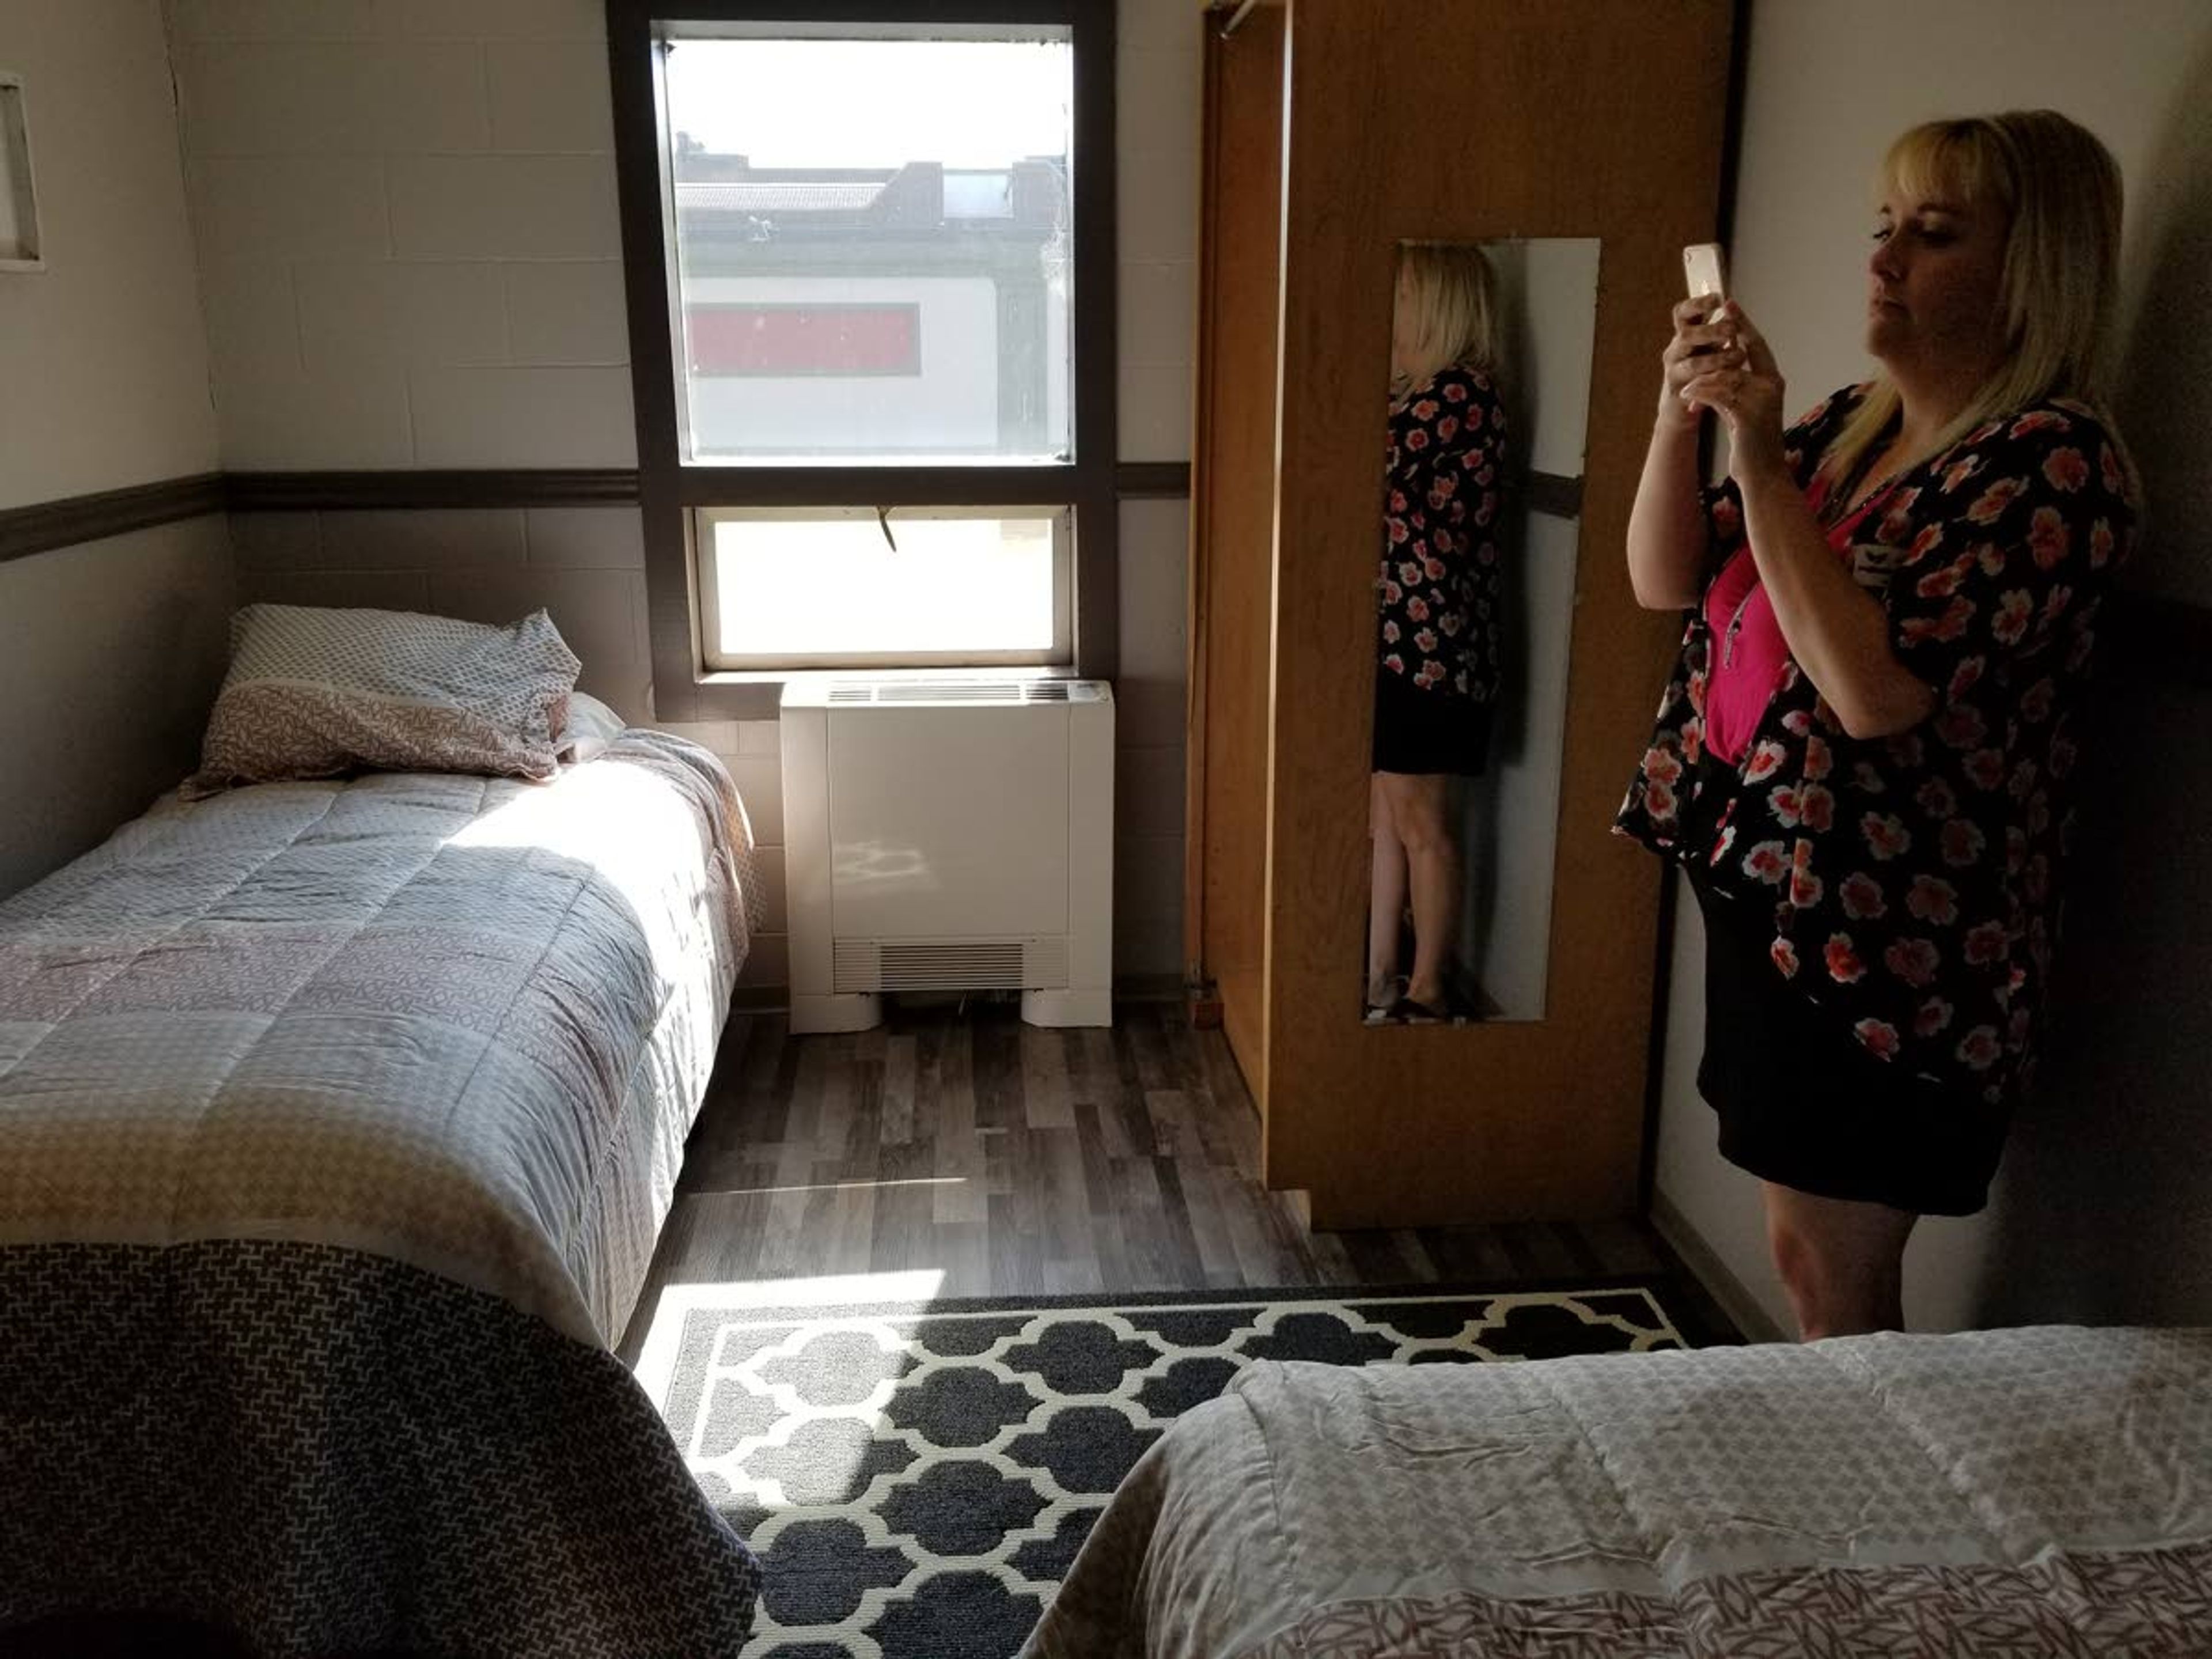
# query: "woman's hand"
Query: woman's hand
{"points": [[1667, 534], [1745, 386], [1697, 348]]}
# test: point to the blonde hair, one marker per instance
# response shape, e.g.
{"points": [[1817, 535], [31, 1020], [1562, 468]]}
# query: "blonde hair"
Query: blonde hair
{"points": [[2059, 191], [1454, 308]]}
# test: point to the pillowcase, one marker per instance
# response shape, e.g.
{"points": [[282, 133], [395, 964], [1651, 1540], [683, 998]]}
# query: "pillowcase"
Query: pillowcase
{"points": [[317, 694], [592, 727]]}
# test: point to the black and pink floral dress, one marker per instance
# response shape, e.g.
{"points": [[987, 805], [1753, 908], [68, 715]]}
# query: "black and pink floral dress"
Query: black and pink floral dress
{"points": [[1907, 888], [1437, 581]]}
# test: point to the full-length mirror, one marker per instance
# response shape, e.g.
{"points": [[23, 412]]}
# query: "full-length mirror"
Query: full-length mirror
{"points": [[1477, 538]]}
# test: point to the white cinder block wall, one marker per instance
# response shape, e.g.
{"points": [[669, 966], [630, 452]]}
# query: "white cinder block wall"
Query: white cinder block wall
{"points": [[2100, 1213], [409, 256], [1158, 83], [110, 651]]}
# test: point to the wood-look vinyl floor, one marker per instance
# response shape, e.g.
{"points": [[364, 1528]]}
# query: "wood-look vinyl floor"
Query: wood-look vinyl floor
{"points": [[1017, 1161]]}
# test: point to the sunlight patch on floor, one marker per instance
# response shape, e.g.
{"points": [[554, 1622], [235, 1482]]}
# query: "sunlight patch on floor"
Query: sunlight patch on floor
{"points": [[656, 1361], [825, 1187]]}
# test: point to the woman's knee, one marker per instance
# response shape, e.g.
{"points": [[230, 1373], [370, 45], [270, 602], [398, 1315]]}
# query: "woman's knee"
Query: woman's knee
{"points": [[1797, 1261], [1417, 810], [1843, 1274], [1825, 1302]]}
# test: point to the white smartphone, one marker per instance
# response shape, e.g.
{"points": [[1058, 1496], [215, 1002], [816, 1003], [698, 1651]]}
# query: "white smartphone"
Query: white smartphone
{"points": [[1706, 272]]}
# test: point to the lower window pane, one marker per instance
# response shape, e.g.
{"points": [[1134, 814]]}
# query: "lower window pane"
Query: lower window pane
{"points": [[829, 587]]}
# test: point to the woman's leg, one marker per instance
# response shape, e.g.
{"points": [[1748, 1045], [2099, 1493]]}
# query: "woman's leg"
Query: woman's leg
{"points": [[1842, 1261], [1386, 908], [1418, 810]]}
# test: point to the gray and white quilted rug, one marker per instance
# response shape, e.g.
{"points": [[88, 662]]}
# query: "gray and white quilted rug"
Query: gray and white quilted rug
{"points": [[917, 1476]]}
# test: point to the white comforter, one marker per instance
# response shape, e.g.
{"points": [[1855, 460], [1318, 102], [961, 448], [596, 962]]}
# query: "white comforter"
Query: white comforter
{"points": [[464, 1022], [2030, 1492]]}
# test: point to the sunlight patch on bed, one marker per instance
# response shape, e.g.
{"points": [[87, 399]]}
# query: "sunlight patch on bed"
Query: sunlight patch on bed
{"points": [[598, 817]]}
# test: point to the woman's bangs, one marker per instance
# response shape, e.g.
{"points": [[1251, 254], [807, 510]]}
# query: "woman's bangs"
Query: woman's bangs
{"points": [[1943, 162]]}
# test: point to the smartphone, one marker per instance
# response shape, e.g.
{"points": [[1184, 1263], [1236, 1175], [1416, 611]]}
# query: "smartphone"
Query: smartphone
{"points": [[1706, 272]]}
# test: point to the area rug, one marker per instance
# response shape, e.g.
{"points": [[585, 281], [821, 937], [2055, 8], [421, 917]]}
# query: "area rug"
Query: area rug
{"points": [[917, 1477]]}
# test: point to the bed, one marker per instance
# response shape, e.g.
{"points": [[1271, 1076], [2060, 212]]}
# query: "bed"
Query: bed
{"points": [[337, 1122], [2019, 1492]]}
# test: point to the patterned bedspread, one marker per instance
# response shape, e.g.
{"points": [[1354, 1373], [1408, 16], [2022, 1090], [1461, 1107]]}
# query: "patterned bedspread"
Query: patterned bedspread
{"points": [[338, 1122], [2029, 1491]]}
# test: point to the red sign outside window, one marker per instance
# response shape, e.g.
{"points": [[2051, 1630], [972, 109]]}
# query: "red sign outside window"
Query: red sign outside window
{"points": [[804, 340]]}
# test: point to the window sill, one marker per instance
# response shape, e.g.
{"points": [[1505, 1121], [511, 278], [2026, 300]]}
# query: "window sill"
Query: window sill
{"points": [[756, 694]]}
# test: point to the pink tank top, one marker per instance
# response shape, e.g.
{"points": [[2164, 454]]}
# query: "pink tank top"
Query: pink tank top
{"points": [[1748, 651]]}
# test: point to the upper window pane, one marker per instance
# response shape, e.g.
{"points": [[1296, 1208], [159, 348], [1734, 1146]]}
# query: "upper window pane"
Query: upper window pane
{"points": [[874, 247]]}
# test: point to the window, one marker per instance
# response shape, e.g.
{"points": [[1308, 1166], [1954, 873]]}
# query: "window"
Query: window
{"points": [[840, 587], [875, 385], [926, 226]]}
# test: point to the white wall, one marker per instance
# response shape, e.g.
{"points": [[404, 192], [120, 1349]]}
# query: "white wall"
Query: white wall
{"points": [[1547, 302], [1157, 90], [407, 232], [2104, 1210], [411, 256], [109, 651], [103, 369]]}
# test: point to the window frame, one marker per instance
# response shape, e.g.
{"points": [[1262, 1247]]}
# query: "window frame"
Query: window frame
{"points": [[685, 688], [1059, 651]]}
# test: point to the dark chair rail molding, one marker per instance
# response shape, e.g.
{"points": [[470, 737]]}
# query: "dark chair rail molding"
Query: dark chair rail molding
{"points": [[491, 487], [1137, 478], [288, 492], [50, 524], [47, 525], [2150, 638], [1549, 492]]}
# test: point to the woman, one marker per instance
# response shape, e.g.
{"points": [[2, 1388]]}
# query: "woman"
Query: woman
{"points": [[1864, 759], [1438, 642]]}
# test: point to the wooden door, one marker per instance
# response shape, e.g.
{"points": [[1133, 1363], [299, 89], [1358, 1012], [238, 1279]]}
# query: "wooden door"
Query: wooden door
{"points": [[1458, 120], [1232, 524]]}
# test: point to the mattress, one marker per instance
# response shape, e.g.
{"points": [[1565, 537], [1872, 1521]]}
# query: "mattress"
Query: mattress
{"points": [[338, 1123], [462, 1022], [2033, 1492]]}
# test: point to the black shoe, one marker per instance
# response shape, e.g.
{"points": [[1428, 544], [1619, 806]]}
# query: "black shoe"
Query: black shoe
{"points": [[1410, 1013], [1382, 1013]]}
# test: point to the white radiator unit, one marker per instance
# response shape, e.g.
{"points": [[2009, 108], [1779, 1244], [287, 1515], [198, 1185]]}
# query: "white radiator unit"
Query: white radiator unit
{"points": [[949, 834]]}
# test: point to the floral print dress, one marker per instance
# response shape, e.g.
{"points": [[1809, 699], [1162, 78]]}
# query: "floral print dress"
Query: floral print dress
{"points": [[1913, 881], [1437, 581]]}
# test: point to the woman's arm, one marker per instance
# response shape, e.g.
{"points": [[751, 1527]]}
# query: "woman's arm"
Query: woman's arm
{"points": [[1837, 631], [1667, 528]]}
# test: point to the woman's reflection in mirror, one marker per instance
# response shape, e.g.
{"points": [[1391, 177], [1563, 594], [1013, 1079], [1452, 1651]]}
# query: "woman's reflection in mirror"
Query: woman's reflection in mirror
{"points": [[1437, 639]]}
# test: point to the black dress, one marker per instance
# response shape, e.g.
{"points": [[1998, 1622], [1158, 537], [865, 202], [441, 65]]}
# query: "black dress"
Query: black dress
{"points": [[1802, 1110]]}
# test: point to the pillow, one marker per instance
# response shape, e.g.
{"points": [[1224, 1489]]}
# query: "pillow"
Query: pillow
{"points": [[316, 693], [592, 727]]}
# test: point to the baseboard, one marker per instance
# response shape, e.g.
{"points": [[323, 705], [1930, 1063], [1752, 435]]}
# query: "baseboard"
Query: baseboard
{"points": [[1741, 1306], [1149, 987], [1133, 988]]}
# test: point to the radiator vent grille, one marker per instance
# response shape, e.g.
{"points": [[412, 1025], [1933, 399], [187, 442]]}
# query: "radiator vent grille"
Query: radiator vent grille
{"points": [[845, 693], [864, 966]]}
